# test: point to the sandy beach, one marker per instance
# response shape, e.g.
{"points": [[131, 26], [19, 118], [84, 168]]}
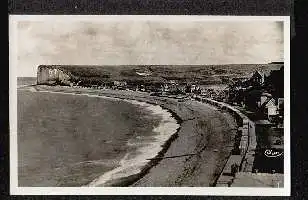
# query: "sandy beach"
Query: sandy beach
{"points": [[205, 132], [69, 140]]}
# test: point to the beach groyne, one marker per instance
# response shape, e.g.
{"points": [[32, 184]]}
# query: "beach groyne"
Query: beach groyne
{"points": [[241, 158]]}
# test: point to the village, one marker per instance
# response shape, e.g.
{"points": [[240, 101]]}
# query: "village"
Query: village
{"points": [[258, 96], [199, 104]]}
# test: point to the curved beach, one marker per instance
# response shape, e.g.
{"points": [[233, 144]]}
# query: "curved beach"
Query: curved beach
{"points": [[87, 136], [206, 134]]}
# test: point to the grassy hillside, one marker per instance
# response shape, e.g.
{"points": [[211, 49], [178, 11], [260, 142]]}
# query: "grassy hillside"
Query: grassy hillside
{"points": [[203, 74]]}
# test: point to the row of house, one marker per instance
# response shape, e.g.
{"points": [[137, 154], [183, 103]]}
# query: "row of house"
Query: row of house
{"points": [[261, 93], [168, 87], [261, 96]]}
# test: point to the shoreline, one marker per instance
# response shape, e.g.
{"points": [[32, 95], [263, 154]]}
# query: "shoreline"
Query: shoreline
{"points": [[189, 121], [126, 181]]}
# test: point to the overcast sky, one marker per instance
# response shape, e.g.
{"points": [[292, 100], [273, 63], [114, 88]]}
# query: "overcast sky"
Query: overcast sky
{"points": [[129, 42]]}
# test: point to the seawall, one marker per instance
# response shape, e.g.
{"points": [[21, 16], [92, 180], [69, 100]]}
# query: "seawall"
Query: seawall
{"points": [[244, 151], [205, 133]]}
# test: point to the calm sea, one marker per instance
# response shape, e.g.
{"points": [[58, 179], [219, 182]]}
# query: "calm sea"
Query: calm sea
{"points": [[23, 81], [72, 140]]}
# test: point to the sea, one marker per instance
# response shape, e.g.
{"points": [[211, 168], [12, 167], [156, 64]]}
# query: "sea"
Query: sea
{"points": [[71, 140]]}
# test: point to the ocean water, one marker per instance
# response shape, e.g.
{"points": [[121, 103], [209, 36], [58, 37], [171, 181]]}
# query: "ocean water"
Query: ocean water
{"points": [[146, 147], [24, 81], [80, 140]]}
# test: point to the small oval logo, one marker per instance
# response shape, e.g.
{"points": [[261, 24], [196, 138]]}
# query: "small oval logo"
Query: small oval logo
{"points": [[271, 153]]}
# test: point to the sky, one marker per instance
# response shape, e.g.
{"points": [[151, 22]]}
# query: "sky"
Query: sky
{"points": [[145, 42]]}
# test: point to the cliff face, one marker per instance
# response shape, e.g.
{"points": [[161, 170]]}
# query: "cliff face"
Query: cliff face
{"points": [[145, 74], [52, 75]]}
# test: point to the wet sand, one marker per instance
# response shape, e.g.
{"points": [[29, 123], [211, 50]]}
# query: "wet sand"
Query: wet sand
{"points": [[67, 140], [205, 131]]}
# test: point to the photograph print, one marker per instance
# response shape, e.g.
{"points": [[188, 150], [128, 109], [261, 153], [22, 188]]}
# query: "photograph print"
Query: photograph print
{"points": [[125, 102]]}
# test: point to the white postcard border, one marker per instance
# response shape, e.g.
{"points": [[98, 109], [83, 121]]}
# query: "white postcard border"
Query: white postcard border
{"points": [[221, 191]]}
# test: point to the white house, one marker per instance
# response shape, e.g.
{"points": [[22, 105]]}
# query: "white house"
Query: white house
{"points": [[271, 108], [119, 83], [264, 98]]}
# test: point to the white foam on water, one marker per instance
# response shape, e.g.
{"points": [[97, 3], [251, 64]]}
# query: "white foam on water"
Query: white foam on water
{"points": [[131, 165], [133, 162]]}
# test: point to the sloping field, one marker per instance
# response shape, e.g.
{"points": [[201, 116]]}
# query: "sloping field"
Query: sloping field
{"points": [[204, 74]]}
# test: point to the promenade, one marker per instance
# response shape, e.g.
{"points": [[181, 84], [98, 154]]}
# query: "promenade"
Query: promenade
{"points": [[206, 133]]}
